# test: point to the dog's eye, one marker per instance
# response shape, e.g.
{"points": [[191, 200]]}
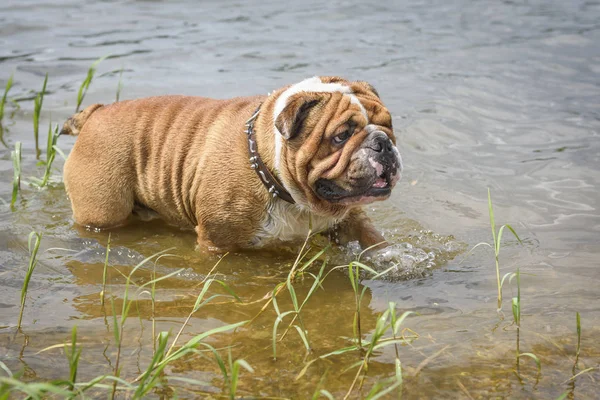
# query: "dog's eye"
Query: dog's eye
{"points": [[342, 137]]}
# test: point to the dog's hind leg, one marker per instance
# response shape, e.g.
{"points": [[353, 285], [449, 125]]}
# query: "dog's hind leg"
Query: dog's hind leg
{"points": [[98, 201]]}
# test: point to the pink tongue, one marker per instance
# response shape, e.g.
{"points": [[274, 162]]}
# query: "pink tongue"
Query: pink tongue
{"points": [[380, 183]]}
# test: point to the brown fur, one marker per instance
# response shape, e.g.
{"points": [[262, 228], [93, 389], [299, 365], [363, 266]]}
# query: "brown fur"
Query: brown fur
{"points": [[186, 158]]}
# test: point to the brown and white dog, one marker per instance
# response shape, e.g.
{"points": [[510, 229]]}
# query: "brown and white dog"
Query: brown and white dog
{"points": [[322, 148]]}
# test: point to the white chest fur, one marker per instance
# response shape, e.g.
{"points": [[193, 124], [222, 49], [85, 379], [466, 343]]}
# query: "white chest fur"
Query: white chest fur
{"points": [[289, 222]]}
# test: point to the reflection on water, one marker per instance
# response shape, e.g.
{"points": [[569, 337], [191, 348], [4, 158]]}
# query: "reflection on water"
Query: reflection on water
{"points": [[502, 95]]}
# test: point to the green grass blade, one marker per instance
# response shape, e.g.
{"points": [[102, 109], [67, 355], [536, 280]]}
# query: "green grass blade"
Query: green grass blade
{"points": [[381, 343], [578, 337], [37, 109], [230, 291], [380, 327], [293, 296], [278, 320], [499, 240], [169, 275], [518, 274], [318, 391], [339, 351], [369, 248], [32, 264], [362, 295], [303, 337], [87, 385], [194, 342], [59, 152], [205, 288], [145, 260], [473, 249], [104, 270], [83, 88], [327, 394], [315, 285], [9, 84], [7, 88], [245, 365], [535, 358], [189, 380], [365, 267], [115, 322], [16, 158], [398, 371], [377, 393], [514, 233], [50, 156], [324, 356], [6, 369], [500, 236], [351, 276], [396, 325], [509, 275], [585, 371], [392, 313], [49, 142], [305, 368], [151, 375], [199, 303], [125, 309], [274, 301], [515, 310], [313, 259], [234, 379], [219, 360], [235, 374], [37, 390], [126, 385], [492, 220], [73, 355]]}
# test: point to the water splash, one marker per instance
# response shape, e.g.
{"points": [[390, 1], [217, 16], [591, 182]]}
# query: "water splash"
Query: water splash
{"points": [[410, 256]]}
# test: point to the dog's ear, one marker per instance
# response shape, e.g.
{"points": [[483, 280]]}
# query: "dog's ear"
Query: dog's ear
{"points": [[366, 86], [290, 120]]}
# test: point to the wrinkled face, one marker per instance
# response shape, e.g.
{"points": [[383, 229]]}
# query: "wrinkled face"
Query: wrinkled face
{"points": [[336, 147]]}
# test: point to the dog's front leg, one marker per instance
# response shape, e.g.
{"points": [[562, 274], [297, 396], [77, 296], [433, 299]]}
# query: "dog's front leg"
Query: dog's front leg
{"points": [[357, 226], [206, 246]]}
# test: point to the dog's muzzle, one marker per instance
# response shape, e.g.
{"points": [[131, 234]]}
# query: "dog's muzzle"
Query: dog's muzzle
{"points": [[374, 170]]}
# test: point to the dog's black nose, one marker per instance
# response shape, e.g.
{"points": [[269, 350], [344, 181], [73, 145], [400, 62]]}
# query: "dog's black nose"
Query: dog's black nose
{"points": [[382, 144]]}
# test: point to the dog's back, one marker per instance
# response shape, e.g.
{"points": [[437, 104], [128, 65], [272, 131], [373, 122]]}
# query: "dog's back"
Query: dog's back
{"points": [[152, 152]]}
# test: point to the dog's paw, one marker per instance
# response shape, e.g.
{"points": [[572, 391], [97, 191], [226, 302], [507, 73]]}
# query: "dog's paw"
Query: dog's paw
{"points": [[400, 261]]}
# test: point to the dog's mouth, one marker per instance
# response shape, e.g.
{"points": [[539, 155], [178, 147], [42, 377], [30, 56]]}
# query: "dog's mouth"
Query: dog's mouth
{"points": [[381, 182], [381, 187], [367, 191]]}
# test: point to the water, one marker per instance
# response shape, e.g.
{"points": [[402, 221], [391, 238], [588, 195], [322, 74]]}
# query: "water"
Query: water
{"points": [[500, 95]]}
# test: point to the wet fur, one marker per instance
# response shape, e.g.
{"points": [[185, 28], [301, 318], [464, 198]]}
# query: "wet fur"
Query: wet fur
{"points": [[186, 159]]}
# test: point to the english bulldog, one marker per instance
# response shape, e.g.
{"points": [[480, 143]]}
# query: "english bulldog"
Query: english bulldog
{"points": [[246, 172]]}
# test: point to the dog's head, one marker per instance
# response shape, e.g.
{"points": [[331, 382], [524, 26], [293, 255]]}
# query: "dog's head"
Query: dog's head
{"points": [[334, 144]]}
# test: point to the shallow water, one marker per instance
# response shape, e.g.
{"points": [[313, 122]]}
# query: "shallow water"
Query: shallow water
{"points": [[501, 95]]}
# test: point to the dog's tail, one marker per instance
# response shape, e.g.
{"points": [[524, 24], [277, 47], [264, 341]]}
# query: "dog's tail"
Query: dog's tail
{"points": [[74, 124]]}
